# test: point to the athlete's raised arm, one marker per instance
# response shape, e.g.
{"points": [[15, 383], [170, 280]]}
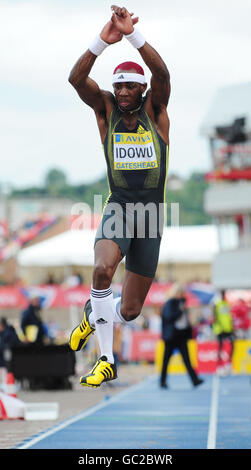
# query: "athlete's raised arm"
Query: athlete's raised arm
{"points": [[87, 88], [160, 81], [101, 101]]}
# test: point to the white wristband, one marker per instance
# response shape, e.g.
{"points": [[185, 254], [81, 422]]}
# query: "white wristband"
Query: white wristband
{"points": [[98, 46], [136, 39]]}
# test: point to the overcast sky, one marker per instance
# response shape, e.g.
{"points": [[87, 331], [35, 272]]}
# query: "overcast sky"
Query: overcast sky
{"points": [[44, 124]]}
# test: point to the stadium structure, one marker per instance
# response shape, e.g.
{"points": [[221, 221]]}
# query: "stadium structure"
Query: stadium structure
{"points": [[227, 127]]}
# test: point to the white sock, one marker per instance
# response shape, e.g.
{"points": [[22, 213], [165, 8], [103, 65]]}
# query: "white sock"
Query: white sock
{"points": [[103, 311], [117, 315], [117, 318]]}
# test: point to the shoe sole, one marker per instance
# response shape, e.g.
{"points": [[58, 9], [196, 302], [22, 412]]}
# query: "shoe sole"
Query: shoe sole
{"points": [[96, 386]]}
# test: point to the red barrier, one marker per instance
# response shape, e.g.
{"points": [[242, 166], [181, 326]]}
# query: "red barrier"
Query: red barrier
{"points": [[60, 296], [51, 296], [143, 346], [207, 355], [12, 297]]}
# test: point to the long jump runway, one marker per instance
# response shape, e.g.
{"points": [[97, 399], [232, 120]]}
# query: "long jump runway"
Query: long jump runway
{"points": [[216, 415]]}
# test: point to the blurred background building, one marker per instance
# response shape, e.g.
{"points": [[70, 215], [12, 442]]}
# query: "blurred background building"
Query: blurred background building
{"points": [[227, 126]]}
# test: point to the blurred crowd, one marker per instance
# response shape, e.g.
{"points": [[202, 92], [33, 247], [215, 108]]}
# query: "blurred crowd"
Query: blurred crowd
{"points": [[12, 240], [32, 328], [218, 320]]}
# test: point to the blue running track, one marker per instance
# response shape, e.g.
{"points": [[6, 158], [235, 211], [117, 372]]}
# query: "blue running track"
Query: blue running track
{"points": [[216, 415]]}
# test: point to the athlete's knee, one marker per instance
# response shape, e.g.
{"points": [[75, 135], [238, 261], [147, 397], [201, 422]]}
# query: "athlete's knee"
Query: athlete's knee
{"points": [[102, 276], [130, 311]]}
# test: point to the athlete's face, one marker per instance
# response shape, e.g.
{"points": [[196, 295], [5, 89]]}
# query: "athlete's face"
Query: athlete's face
{"points": [[128, 94]]}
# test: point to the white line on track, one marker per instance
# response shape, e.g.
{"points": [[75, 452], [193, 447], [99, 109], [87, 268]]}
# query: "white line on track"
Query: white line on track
{"points": [[212, 429], [83, 415]]}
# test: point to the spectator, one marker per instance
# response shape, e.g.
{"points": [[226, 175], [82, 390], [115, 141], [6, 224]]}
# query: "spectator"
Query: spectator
{"points": [[176, 331], [31, 322], [50, 280], [74, 280], [154, 320], [8, 339], [223, 329], [240, 313], [80, 278]]}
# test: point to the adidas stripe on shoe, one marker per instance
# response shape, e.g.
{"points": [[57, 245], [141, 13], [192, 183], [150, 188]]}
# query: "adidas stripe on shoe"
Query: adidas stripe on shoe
{"points": [[102, 371], [81, 334]]}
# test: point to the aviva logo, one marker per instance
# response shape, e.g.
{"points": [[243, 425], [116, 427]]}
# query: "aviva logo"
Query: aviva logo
{"points": [[133, 138]]}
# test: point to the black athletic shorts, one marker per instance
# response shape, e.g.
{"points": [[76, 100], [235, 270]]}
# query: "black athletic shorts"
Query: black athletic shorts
{"points": [[137, 229]]}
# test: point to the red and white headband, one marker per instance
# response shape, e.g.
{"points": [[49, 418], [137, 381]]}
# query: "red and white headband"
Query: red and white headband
{"points": [[128, 77], [123, 73]]}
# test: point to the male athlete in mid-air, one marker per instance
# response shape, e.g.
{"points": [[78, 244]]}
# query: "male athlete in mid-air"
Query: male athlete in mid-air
{"points": [[134, 131]]}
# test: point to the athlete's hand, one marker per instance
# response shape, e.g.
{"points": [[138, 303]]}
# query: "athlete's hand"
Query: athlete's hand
{"points": [[119, 24], [123, 20], [110, 33]]}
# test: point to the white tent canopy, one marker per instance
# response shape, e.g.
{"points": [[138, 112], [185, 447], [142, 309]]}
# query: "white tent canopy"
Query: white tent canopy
{"points": [[70, 248], [190, 244]]}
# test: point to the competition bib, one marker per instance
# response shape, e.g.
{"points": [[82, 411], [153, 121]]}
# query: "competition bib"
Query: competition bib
{"points": [[133, 151]]}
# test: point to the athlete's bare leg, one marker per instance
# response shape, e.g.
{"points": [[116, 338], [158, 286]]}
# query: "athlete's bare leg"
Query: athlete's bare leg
{"points": [[135, 286], [104, 310], [107, 256], [134, 292]]}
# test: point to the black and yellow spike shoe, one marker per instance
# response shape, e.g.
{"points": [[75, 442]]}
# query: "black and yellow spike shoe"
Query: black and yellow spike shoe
{"points": [[81, 334], [103, 371]]}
